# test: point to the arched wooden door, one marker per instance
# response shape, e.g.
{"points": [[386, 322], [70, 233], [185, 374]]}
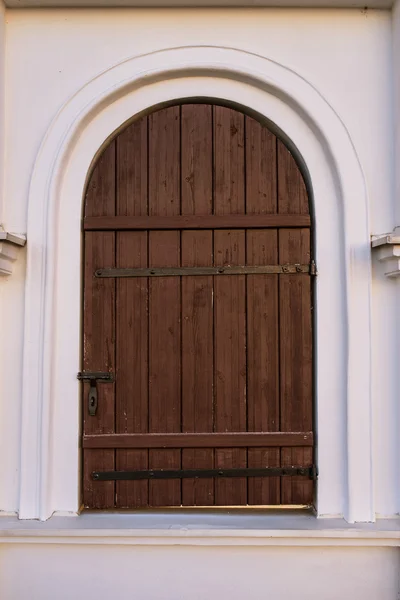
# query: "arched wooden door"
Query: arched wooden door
{"points": [[197, 345]]}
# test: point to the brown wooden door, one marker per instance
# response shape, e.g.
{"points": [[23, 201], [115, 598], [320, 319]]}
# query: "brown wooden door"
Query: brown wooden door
{"points": [[196, 352]]}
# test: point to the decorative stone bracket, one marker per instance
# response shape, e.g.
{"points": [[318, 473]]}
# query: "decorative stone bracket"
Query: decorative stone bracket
{"points": [[387, 250], [9, 244]]}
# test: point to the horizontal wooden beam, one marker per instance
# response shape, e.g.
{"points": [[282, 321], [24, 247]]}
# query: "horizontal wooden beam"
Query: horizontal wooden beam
{"points": [[196, 271], [199, 440], [196, 222]]}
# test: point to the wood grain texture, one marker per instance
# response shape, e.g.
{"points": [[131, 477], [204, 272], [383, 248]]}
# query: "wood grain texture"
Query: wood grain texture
{"points": [[210, 372], [230, 362], [100, 192], [164, 301], [261, 180], [197, 167], [263, 361], [164, 362], [295, 327], [132, 170], [132, 311], [229, 300], [132, 410], [229, 179], [197, 297], [196, 222], [292, 192], [99, 355], [164, 162], [99, 328], [295, 361], [252, 439], [197, 362]]}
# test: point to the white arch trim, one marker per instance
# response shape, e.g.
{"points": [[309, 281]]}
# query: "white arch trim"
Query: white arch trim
{"points": [[49, 476]]}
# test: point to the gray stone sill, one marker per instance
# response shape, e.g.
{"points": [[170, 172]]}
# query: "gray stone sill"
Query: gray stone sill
{"points": [[231, 527]]}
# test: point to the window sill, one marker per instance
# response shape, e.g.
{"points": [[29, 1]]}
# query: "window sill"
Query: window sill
{"points": [[197, 528]]}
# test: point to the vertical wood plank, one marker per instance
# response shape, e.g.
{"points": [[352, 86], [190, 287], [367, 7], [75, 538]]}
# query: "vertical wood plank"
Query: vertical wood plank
{"points": [[262, 309], [196, 131], [295, 328], [230, 362], [132, 312], [197, 299], [98, 355], [164, 301], [229, 301], [197, 363], [229, 186], [132, 364], [292, 192], [99, 329], [263, 361], [164, 162], [132, 170], [100, 192], [295, 361], [261, 196]]}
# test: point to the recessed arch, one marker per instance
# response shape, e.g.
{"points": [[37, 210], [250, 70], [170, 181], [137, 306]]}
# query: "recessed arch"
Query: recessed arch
{"points": [[50, 423]]}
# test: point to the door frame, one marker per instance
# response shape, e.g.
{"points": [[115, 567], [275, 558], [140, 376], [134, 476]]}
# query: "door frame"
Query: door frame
{"points": [[50, 473]]}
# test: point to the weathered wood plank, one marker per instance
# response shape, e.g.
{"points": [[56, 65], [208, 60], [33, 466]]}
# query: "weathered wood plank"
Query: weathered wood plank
{"points": [[132, 365], [196, 222], [99, 355], [261, 196], [295, 361], [249, 439], [164, 301], [263, 362]]}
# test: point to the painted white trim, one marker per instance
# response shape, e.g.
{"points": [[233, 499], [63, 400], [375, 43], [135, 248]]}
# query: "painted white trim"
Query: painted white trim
{"points": [[204, 530], [166, 530], [9, 244], [50, 410], [387, 250], [16, 239]]}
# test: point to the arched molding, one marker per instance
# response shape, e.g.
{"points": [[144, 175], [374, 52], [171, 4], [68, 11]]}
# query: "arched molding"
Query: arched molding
{"points": [[51, 394]]}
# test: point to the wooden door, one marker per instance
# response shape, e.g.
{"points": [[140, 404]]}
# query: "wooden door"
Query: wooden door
{"points": [[197, 306]]}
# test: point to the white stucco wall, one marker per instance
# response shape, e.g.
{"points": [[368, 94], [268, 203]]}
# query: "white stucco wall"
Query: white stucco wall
{"points": [[176, 573], [347, 57]]}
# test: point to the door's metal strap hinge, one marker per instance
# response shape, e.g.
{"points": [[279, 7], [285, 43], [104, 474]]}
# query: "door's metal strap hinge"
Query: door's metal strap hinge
{"points": [[93, 377], [310, 472]]}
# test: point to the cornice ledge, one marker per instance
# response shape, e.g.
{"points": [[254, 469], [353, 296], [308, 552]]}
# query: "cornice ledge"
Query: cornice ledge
{"points": [[9, 245], [386, 248]]}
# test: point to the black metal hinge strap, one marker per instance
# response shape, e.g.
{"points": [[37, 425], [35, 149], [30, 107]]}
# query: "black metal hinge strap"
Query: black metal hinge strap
{"points": [[310, 472], [289, 269], [93, 377]]}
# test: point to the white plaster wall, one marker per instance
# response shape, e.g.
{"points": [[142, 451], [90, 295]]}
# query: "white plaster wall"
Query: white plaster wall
{"points": [[11, 340], [346, 55], [190, 573]]}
